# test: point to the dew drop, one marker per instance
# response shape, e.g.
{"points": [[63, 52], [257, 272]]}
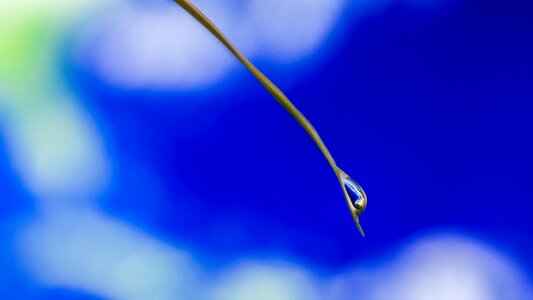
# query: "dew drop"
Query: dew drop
{"points": [[355, 192]]}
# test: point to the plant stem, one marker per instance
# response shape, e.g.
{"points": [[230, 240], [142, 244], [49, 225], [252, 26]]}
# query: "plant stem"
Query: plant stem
{"points": [[267, 83], [277, 94]]}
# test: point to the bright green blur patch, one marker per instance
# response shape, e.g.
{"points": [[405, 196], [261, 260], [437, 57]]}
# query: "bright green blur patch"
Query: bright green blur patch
{"points": [[26, 48], [31, 33]]}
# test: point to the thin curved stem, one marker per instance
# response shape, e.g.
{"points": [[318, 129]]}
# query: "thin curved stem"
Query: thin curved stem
{"points": [[267, 83], [278, 95]]}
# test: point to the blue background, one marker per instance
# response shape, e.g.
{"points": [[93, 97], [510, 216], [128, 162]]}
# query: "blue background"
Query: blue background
{"points": [[431, 114], [431, 111]]}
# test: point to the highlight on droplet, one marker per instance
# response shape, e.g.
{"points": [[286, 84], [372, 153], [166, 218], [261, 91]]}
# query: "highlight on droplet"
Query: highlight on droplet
{"points": [[356, 193]]}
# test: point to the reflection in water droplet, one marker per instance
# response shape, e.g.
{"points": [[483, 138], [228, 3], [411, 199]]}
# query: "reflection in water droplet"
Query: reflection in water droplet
{"points": [[355, 191]]}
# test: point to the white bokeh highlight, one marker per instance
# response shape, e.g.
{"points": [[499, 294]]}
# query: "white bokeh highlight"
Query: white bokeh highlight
{"points": [[153, 45], [106, 258], [87, 251], [440, 267], [288, 31], [266, 280], [451, 267], [58, 152], [156, 45]]}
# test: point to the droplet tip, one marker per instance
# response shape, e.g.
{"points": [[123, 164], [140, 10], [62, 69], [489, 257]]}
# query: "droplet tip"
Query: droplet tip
{"points": [[359, 227]]}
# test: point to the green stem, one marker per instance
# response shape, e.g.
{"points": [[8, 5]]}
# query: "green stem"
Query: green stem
{"points": [[277, 94], [267, 83]]}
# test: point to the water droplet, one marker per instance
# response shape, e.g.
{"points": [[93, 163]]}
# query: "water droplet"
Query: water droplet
{"points": [[355, 192]]}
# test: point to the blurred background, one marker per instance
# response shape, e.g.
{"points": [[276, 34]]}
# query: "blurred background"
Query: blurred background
{"points": [[139, 160]]}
